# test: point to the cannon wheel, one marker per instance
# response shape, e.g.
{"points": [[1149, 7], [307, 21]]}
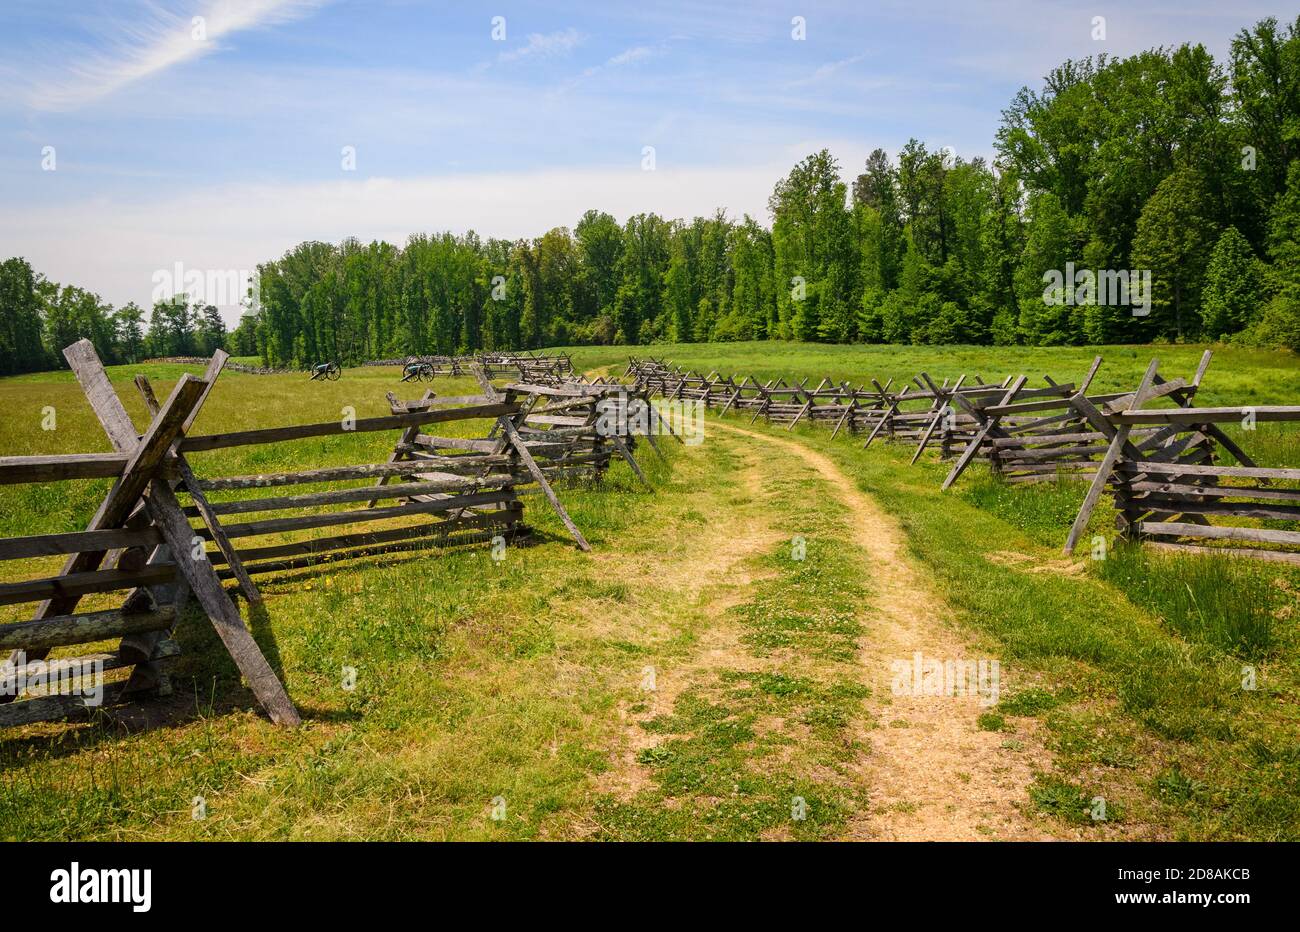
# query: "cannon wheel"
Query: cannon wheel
{"points": [[426, 374], [333, 373]]}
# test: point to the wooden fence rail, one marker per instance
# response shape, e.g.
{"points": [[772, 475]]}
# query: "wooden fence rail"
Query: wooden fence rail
{"points": [[1151, 447], [165, 533], [530, 367]]}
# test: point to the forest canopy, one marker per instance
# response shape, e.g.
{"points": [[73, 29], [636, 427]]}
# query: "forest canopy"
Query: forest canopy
{"points": [[1166, 169]]}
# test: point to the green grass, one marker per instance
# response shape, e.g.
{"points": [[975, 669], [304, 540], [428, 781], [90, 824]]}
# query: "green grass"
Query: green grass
{"points": [[476, 681], [992, 721], [466, 691], [156, 371], [238, 402], [415, 626], [1231, 604], [1044, 510], [521, 680], [1030, 702], [1069, 803]]}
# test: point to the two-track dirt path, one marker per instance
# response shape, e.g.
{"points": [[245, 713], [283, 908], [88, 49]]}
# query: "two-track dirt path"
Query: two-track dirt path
{"points": [[932, 773]]}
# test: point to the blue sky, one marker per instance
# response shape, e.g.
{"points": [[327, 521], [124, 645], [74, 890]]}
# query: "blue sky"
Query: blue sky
{"points": [[225, 150]]}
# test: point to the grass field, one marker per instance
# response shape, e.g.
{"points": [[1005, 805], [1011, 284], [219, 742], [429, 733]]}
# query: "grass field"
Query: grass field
{"points": [[690, 679]]}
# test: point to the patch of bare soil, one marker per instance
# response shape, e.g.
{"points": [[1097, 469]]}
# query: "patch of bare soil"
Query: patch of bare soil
{"points": [[931, 772], [1031, 564]]}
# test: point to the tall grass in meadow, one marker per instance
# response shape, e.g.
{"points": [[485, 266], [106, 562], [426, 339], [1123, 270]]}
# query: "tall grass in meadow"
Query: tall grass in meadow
{"points": [[1231, 603]]}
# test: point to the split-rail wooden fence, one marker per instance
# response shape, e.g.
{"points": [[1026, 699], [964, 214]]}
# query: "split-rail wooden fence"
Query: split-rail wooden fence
{"points": [[432, 491], [1159, 462], [528, 367]]}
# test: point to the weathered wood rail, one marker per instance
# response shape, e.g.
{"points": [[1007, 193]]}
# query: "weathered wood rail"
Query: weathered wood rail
{"points": [[1159, 465], [141, 532], [165, 533], [1151, 447]]}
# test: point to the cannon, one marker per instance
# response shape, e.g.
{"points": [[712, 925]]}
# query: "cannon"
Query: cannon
{"points": [[418, 371]]}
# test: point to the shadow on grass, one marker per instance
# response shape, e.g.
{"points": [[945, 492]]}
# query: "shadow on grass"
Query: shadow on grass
{"points": [[141, 715]]}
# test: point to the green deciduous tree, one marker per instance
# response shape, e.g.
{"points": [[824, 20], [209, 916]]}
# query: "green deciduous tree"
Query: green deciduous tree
{"points": [[21, 349], [129, 322], [1174, 239], [1280, 322], [1234, 289]]}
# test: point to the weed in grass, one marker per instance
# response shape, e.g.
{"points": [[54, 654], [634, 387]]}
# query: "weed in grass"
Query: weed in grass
{"points": [[1176, 787], [1030, 702], [1066, 801]]}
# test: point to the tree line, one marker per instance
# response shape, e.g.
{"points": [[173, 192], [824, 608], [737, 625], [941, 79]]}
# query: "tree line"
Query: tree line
{"points": [[39, 317], [1173, 174]]}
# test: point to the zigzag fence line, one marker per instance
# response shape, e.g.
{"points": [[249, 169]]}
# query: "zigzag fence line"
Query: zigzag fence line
{"points": [[229, 367], [1159, 463], [530, 367]]}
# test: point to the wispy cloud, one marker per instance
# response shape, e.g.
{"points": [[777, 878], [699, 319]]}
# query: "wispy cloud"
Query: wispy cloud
{"points": [[637, 53], [828, 69], [154, 38], [545, 45]]}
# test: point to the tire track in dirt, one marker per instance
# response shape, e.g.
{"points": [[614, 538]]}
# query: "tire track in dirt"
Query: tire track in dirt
{"points": [[932, 773]]}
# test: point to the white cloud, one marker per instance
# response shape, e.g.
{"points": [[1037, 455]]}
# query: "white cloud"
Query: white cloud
{"points": [[548, 45], [136, 47], [828, 69], [630, 56], [639, 53]]}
